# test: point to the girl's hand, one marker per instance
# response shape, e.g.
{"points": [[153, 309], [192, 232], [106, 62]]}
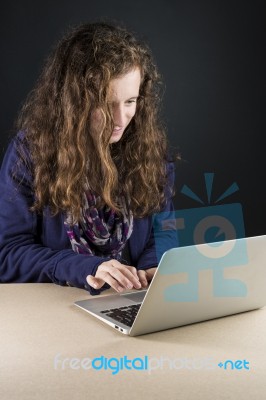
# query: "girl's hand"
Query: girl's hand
{"points": [[145, 276], [117, 275]]}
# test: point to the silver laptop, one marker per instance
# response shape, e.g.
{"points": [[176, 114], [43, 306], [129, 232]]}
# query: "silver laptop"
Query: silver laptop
{"points": [[191, 284]]}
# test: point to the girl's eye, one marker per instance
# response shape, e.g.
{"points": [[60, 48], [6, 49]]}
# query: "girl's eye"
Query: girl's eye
{"points": [[131, 101]]}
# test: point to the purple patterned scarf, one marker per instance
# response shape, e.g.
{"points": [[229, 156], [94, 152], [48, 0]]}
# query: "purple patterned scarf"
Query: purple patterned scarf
{"points": [[101, 232]]}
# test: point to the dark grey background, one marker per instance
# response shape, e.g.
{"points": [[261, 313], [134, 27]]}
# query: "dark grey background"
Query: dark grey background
{"points": [[212, 58]]}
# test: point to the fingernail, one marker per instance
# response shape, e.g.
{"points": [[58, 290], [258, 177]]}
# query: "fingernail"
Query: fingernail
{"points": [[120, 289], [129, 286]]}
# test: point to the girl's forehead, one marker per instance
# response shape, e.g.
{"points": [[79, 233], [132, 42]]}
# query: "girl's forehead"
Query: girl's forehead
{"points": [[125, 86]]}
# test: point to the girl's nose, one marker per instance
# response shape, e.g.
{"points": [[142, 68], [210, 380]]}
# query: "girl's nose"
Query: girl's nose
{"points": [[119, 116]]}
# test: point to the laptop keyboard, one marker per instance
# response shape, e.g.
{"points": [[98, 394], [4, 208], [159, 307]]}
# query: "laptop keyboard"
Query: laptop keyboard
{"points": [[125, 315]]}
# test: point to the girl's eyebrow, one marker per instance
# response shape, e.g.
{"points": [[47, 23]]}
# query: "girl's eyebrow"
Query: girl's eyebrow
{"points": [[133, 98], [130, 98]]}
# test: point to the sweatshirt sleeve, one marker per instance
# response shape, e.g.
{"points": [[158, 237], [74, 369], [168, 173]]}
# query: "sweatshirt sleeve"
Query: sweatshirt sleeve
{"points": [[23, 258]]}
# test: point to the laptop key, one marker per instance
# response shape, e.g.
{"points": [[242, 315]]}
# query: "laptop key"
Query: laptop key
{"points": [[125, 315]]}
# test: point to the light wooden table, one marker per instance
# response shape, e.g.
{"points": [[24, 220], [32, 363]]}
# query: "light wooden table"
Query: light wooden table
{"points": [[45, 344]]}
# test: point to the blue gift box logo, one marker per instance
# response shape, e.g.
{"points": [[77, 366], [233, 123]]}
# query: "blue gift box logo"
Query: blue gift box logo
{"points": [[215, 226]]}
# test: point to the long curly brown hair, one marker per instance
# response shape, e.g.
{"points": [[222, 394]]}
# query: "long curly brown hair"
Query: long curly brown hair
{"points": [[56, 121]]}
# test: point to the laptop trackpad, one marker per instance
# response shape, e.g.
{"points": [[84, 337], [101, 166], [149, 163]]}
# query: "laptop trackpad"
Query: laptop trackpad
{"points": [[136, 296]]}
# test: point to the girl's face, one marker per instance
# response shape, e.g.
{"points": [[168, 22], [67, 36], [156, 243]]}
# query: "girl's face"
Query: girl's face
{"points": [[122, 97]]}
